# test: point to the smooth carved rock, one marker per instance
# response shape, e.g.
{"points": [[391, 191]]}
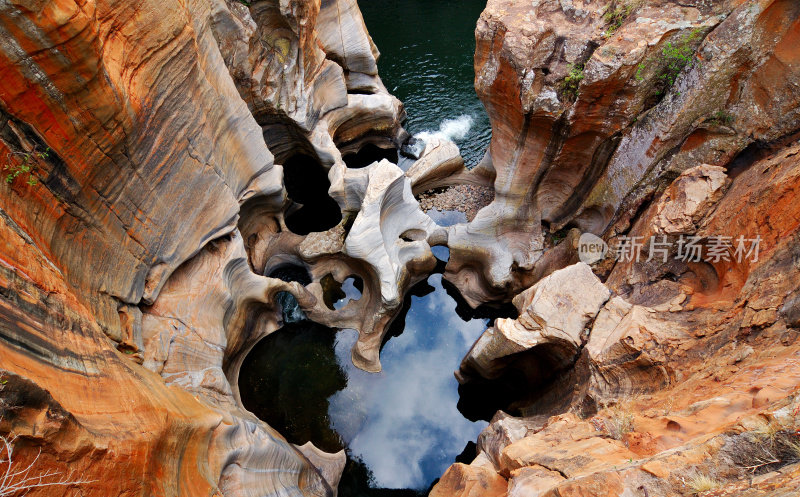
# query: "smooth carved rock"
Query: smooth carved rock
{"points": [[112, 160], [548, 72], [195, 337], [392, 236], [689, 199], [386, 244], [554, 312], [439, 165], [344, 37], [330, 466], [155, 118]]}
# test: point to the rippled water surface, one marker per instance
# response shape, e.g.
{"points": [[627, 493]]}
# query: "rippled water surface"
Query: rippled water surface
{"points": [[427, 49]]}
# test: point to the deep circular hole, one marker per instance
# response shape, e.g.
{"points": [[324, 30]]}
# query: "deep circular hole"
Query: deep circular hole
{"points": [[306, 182], [337, 295], [291, 272], [368, 154]]}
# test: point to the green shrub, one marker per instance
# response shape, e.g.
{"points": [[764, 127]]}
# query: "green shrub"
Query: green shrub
{"points": [[25, 167], [570, 84], [616, 14], [673, 59], [722, 117]]}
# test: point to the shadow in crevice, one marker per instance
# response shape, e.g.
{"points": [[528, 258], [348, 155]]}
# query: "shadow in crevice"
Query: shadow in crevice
{"points": [[545, 380], [489, 311], [306, 182], [368, 154]]}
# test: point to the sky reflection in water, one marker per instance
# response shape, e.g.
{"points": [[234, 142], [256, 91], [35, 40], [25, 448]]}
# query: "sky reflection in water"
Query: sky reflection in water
{"points": [[403, 422]]}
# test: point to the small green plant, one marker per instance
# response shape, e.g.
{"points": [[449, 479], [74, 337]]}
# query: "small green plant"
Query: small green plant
{"points": [[722, 117], [24, 167], [700, 482], [616, 14], [558, 236], [244, 2], [571, 82], [673, 59], [677, 57]]}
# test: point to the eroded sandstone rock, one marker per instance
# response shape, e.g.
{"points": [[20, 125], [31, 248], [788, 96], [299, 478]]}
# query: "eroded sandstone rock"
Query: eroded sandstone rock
{"points": [[553, 317], [148, 126], [689, 199], [629, 348], [585, 129]]}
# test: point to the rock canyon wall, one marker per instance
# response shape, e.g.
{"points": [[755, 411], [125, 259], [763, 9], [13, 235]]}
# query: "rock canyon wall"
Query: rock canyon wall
{"points": [[165, 161], [143, 209], [654, 374]]}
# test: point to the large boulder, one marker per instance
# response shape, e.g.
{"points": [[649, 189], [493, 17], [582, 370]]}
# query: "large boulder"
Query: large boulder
{"points": [[553, 318]]}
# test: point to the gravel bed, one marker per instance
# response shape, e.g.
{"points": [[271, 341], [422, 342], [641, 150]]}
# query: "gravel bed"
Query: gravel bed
{"points": [[468, 199]]}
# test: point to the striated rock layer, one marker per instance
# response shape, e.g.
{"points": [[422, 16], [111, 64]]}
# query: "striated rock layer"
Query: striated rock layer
{"points": [[667, 374], [596, 106], [142, 203], [165, 162]]}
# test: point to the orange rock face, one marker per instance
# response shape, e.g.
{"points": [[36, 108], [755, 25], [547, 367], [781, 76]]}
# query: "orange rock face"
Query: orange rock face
{"points": [[142, 204], [595, 106], [686, 378], [130, 135]]}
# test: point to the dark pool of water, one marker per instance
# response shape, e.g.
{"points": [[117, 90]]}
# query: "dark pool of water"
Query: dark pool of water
{"points": [[427, 49], [401, 427]]}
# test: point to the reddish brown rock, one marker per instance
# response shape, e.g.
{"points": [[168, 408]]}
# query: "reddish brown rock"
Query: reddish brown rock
{"points": [[585, 129], [139, 130], [462, 480]]}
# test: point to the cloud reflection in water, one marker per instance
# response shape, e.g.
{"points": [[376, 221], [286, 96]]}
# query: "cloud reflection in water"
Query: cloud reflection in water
{"points": [[403, 422]]}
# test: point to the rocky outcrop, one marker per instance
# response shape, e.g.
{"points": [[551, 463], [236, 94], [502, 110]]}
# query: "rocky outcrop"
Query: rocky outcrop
{"points": [[685, 381], [683, 384], [595, 106], [160, 161], [689, 199], [553, 315], [142, 199]]}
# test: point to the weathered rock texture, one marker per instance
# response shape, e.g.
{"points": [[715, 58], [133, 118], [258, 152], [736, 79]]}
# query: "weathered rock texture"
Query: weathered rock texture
{"points": [[144, 209], [142, 200], [586, 125], [553, 315], [687, 372], [685, 380]]}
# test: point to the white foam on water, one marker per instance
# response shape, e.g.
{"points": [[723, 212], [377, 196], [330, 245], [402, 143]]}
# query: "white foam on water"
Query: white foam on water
{"points": [[451, 129]]}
